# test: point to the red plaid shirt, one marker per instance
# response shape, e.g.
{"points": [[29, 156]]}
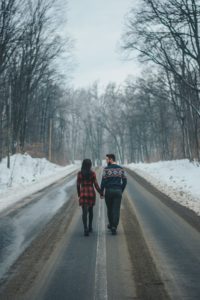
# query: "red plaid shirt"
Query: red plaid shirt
{"points": [[85, 189]]}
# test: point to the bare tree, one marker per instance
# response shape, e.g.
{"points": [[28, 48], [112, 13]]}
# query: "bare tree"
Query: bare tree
{"points": [[167, 34]]}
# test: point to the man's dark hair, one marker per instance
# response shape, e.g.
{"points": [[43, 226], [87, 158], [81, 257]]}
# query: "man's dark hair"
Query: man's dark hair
{"points": [[111, 156]]}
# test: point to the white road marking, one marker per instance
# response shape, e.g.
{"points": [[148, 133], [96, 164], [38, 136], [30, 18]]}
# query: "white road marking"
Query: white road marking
{"points": [[100, 292]]}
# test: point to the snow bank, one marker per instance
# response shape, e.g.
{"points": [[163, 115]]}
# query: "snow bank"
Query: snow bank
{"points": [[27, 175], [178, 179]]}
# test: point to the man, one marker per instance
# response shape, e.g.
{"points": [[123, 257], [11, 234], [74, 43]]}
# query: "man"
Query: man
{"points": [[114, 182]]}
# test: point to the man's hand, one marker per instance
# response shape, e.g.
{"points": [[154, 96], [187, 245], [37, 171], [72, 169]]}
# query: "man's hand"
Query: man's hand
{"points": [[101, 196]]}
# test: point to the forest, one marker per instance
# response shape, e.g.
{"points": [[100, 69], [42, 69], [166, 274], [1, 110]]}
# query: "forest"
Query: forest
{"points": [[153, 117]]}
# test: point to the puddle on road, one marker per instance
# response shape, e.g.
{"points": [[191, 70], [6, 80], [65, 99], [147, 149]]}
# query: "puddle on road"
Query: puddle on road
{"points": [[17, 232]]}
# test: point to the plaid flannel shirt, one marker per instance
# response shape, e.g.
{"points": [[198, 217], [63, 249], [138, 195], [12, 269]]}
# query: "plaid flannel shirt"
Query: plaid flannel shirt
{"points": [[85, 189]]}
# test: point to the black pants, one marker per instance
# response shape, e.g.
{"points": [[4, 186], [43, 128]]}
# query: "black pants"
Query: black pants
{"points": [[87, 210], [113, 202]]}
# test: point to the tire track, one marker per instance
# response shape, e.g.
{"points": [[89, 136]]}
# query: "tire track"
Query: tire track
{"points": [[184, 212], [148, 282], [30, 264]]}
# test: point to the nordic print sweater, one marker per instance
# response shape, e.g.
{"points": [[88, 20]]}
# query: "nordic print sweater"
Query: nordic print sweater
{"points": [[113, 177]]}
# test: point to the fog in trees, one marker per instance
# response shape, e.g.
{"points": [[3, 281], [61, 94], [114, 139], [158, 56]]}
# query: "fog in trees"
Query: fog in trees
{"points": [[153, 117]]}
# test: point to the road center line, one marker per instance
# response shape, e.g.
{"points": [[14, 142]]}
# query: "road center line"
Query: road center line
{"points": [[100, 292]]}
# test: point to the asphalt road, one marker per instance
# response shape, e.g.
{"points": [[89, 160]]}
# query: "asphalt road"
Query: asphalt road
{"points": [[94, 267], [21, 224], [155, 254], [173, 242]]}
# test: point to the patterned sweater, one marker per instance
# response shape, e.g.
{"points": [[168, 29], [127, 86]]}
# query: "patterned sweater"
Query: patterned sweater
{"points": [[113, 177]]}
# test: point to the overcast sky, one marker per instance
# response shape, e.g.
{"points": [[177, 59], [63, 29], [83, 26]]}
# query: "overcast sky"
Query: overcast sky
{"points": [[96, 27]]}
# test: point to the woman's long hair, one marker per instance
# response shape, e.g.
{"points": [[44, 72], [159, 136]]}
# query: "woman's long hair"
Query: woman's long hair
{"points": [[86, 168]]}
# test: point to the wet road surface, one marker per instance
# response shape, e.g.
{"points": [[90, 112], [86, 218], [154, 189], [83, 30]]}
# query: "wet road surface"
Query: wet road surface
{"points": [[19, 228], [155, 254]]}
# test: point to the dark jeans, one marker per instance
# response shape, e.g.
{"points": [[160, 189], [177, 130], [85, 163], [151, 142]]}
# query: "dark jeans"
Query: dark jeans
{"points": [[113, 202], [87, 210]]}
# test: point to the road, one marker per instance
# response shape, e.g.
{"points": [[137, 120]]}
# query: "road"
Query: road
{"points": [[155, 254], [172, 235], [20, 224]]}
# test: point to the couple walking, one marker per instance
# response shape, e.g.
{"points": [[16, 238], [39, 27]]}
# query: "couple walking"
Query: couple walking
{"points": [[113, 184]]}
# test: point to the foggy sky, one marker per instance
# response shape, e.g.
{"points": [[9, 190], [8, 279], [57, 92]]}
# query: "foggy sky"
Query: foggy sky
{"points": [[96, 27]]}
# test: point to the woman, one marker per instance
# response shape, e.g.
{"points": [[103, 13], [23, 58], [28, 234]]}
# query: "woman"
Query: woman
{"points": [[86, 180]]}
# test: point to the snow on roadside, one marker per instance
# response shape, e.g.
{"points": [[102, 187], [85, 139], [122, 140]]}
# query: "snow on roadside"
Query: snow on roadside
{"points": [[179, 179], [27, 175]]}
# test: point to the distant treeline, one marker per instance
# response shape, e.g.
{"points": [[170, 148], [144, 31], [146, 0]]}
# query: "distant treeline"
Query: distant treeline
{"points": [[31, 92], [154, 117], [157, 116], [167, 34]]}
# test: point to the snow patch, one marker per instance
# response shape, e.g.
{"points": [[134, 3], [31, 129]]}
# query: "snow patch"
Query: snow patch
{"points": [[179, 179], [28, 175]]}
